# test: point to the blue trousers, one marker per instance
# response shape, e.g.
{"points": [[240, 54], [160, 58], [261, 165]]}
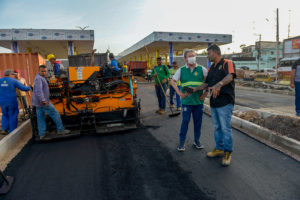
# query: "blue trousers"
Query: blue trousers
{"points": [[41, 121], [149, 78], [9, 117], [297, 97], [172, 92], [197, 112], [160, 95], [221, 118]]}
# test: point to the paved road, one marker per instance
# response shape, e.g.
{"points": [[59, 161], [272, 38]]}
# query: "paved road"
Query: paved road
{"points": [[269, 101], [144, 164]]}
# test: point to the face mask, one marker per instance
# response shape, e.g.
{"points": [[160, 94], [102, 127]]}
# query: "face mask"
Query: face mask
{"points": [[191, 60]]}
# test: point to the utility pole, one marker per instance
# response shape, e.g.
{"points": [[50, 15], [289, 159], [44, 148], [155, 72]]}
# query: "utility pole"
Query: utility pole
{"points": [[277, 41], [259, 52], [289, 26]]}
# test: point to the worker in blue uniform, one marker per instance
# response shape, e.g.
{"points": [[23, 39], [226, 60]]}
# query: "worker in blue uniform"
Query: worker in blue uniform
{"points": [[114, 64], [8, 100]]}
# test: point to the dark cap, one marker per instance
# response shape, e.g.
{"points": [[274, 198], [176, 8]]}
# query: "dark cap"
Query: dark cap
{"points": [[158, 58], [8, 72], [111, 55]]}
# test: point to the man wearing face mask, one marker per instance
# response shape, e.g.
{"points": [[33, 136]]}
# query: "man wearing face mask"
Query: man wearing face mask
{"points": [[190, 75], [161, 74], [220, 81]]}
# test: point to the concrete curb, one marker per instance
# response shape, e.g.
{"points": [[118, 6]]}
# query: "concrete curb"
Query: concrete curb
{"points": [[8, 143], [290, 93], [284, 144]]}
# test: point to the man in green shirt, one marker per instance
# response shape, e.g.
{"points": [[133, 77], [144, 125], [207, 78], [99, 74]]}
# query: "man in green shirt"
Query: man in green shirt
{"points": [[160, 73], [172, 91], [190, 75]]}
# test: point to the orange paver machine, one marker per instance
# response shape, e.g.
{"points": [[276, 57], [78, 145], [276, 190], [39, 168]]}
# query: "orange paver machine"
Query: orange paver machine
{"points": [[93, 98]]}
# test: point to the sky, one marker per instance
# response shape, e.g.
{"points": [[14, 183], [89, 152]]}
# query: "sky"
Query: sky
{"points": [[118, 24]]}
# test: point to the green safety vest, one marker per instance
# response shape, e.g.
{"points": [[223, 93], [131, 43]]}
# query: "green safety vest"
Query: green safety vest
{"points": [[191, 79]]}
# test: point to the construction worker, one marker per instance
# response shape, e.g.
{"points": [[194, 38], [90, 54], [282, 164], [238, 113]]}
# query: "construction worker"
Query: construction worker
{"points": [[125, 67], [149, 78], [220, 81], [40, 99], [8, 100], [190, 75], [55, 65], [114, 64], [21, 94], [172, 91], [161, 75], [295, 83]]}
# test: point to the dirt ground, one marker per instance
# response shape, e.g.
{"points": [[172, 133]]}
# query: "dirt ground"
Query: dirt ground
{"points": [[284, 125]]}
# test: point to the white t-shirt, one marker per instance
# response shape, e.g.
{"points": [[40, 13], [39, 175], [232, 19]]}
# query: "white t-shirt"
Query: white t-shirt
{"points": [[149, 71], [177, 74]]}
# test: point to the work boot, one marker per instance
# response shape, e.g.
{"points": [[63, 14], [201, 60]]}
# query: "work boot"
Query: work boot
{"points": [[4, 132], [162, 112], [64, 132], [158, 111], [179, 108], [215, 153], [226, 159]]}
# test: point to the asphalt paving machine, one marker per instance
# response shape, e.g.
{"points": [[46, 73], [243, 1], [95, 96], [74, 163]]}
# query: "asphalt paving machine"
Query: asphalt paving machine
{"points": [[92, 99]]}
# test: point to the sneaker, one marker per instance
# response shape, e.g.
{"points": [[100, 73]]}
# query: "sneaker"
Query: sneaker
{"points": [[44, 138], [162, 112], [226, 159], [64, 132], [158, 111], [181, 148], [179, 109], [198, 145], [215, 153], [172, 106]]}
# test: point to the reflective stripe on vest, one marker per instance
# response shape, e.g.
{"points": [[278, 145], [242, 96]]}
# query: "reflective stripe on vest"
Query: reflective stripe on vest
{"points": [[190, 83]]}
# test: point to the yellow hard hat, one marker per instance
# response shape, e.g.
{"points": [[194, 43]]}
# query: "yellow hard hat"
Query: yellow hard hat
{"points": [[50, 56]]}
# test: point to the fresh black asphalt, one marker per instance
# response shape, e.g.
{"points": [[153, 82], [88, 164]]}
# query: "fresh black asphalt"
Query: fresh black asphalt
{"points": [[144, 164]]}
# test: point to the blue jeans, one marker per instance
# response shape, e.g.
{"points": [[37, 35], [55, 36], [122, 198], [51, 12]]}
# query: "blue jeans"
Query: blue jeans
{"points": [[149, 78], [297, 97], [172, 92], [160, 95], [53, 113], [222, 123], [9, 117], [197, 112]]}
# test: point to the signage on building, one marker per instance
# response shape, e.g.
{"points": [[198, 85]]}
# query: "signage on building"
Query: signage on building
{"points": [[296, 43]]}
